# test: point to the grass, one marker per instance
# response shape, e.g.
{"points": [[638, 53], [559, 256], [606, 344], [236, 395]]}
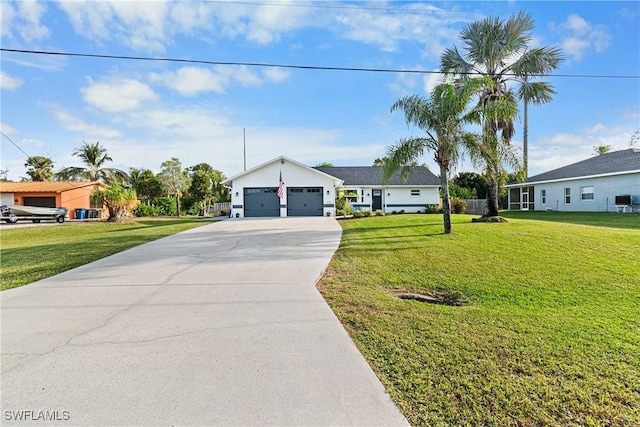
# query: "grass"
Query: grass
{"points": [[550, 334], [34, 253]]}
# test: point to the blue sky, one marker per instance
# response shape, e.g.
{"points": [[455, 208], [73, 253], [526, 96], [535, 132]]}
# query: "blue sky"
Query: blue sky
{"points": [[147, 112]]}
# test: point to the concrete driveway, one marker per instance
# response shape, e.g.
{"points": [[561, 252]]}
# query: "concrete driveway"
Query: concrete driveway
{"points": [[219, 325]]}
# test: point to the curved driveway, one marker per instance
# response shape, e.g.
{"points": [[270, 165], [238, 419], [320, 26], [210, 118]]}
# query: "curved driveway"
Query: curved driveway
{"points": [[219, 325]]}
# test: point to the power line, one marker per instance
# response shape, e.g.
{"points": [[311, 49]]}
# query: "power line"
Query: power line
{"points": [[294, 66], [17, 146]]}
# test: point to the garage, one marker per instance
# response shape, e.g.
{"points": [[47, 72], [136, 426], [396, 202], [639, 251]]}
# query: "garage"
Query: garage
{"points": [[43, 202], [261, 202], [304, 201]]}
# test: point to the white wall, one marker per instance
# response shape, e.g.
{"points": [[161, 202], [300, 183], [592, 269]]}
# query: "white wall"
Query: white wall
{"points": [[397, 198], [6, 199], [293, 175], [605, 191]]}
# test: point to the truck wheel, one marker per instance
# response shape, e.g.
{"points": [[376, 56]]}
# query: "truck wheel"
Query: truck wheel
{"points": [[60, 219], [36, 221], [12, 219]]}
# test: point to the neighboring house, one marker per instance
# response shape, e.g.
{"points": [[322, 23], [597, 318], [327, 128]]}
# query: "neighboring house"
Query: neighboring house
{"points": [[605, 183], [51, 194], [307, 191]]}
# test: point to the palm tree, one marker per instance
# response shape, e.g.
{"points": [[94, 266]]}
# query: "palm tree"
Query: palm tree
{"points": [[442, 118], [39, 168], [500, 51], [94, 156]]}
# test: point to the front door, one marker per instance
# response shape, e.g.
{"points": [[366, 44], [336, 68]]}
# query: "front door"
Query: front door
{"points": [[376, 202], [525, 199]]}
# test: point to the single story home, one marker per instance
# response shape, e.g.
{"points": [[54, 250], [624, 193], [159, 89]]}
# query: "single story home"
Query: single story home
{"points": [[283, 187], [607, 182], [51, 194]]}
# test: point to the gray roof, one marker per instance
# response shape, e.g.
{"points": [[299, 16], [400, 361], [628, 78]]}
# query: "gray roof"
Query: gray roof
{"points": [[603, 164], [372, 175]]}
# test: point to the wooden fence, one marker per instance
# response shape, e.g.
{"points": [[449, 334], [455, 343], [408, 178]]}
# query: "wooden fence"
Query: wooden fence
{"points": [[218, 208], [475, 206]]}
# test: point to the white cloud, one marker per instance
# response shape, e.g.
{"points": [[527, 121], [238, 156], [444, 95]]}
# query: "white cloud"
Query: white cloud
{"points": [[75, 124], [6, 129], [581, 37], [117, 95], [23, 20], [422, 24], [191, 81], [562, 149], [7, 15], [277, 74], [8, 82], [140, 25]]}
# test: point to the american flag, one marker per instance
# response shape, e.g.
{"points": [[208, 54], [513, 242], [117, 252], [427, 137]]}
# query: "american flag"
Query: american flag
{"points": [[281, 187]]}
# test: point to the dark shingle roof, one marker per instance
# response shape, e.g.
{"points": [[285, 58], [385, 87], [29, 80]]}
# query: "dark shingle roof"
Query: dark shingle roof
{"points": [[608, 163], [372, 175]]}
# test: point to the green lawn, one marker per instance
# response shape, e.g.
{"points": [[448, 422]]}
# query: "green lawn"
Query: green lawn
{"points": [[550, 334], [33, 253]]}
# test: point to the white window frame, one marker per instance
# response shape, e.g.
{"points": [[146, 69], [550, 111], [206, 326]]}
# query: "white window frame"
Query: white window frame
{"points": [[543, 196], [567, 195], [415, 192], [584, 192]]}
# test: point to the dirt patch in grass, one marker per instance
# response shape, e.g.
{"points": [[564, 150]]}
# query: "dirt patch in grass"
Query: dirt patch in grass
{"points": [[489, 219], [447, 298]]}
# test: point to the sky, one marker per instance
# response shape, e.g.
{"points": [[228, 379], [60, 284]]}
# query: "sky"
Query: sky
{"points": [[146, 112]]}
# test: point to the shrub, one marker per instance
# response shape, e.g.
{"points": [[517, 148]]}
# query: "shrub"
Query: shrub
{"points": [[358, 213], [347, 209], [458, 206], [166, 206], [379, 212], [394, 212], [433, 209], [339, 212], [145, 210]]}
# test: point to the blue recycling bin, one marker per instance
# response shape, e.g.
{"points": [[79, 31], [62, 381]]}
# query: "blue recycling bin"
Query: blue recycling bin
{"points": [[81, 213]]}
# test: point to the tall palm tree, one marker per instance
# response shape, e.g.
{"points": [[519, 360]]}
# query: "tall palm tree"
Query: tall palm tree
{"points": [[39, 168], [499, 50], [441, 117], [94, 156]]}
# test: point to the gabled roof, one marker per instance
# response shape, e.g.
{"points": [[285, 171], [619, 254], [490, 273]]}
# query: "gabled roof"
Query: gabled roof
{"points": [[279, 159], [613, 163], [372, 175], [45, 186]]}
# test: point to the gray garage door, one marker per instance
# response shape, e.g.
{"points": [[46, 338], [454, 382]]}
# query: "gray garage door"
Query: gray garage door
{"points": [[261, 202], [304, 201]]}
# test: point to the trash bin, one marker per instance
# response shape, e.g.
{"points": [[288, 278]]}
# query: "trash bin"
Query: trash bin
{"points": [[81, 213]]}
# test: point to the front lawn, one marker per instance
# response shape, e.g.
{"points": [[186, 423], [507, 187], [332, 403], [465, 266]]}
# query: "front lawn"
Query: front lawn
{"points": [[550, 334], [33, 253]]}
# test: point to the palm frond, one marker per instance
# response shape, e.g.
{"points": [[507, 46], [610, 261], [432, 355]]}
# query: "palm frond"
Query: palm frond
{"points": [[402, 155]]}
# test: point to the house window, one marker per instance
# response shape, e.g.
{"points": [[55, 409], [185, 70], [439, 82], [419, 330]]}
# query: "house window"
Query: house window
{"points": [[415, 193], [567, 195], [586, 193], [543, 196]]}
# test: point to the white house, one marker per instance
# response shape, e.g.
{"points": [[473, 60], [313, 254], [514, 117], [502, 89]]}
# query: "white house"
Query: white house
{"points": [[421, 189], [284, 187], [605, 183]]}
